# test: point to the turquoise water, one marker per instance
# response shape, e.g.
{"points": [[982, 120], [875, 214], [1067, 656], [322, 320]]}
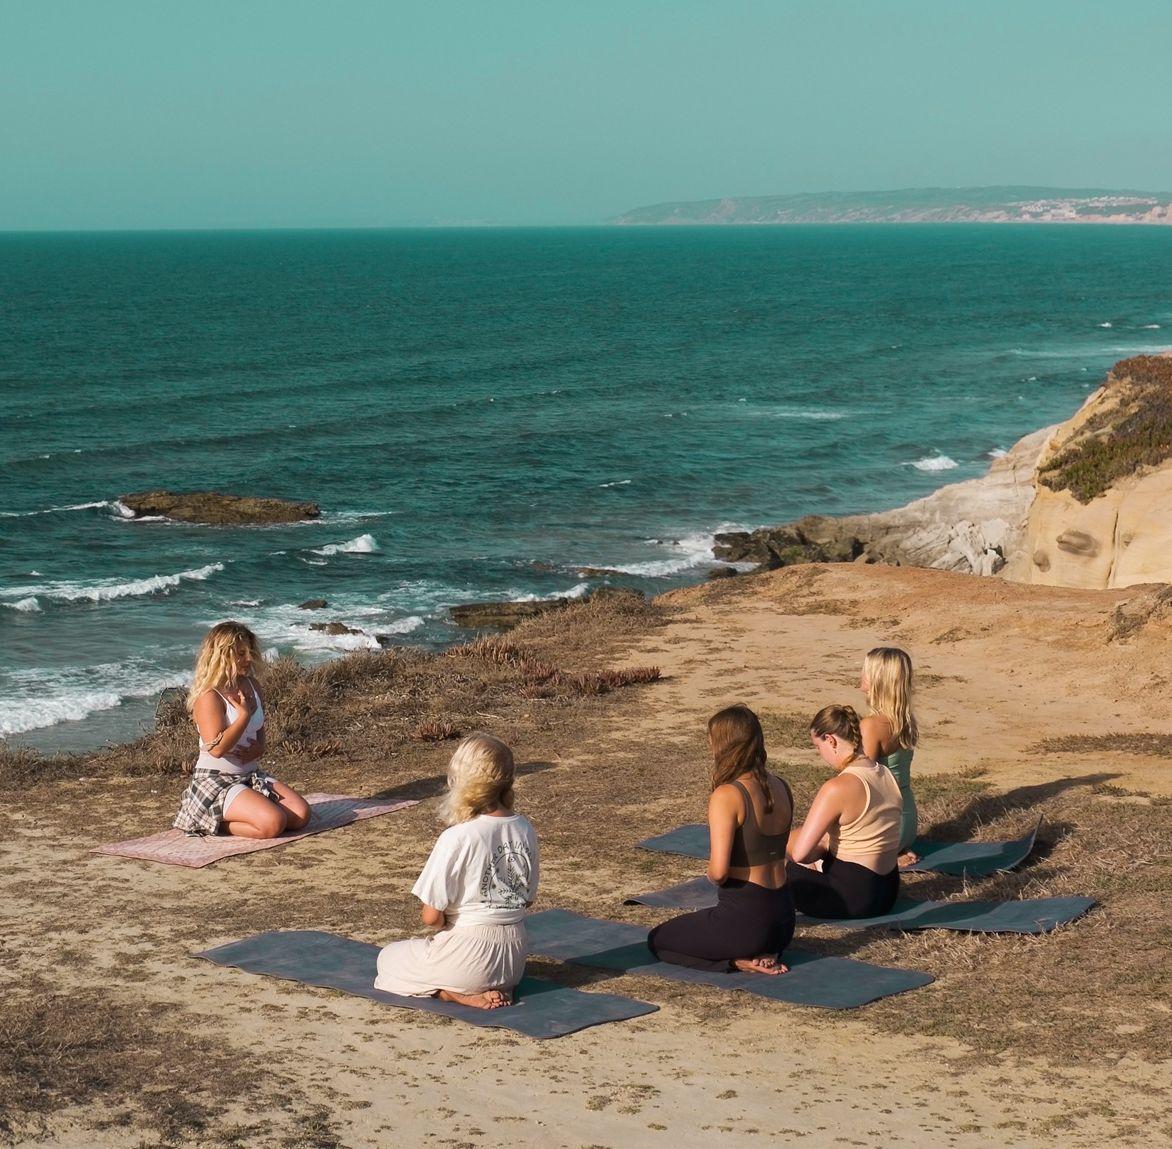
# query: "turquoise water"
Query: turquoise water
{"points": [[479, 412]]}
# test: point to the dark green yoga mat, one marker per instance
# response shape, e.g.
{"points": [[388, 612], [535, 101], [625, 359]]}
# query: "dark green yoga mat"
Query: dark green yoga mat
{"points": [[312, 957], [962, 859], [1026, 916], [827, 982]]}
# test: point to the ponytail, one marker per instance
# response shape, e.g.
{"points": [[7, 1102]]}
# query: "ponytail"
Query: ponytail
{"points": [[842, 722]]}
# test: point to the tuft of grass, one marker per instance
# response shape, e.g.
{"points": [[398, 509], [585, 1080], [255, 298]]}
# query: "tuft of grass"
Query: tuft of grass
{"points": [[1120, 440], [1148, 745], [434, 730]]}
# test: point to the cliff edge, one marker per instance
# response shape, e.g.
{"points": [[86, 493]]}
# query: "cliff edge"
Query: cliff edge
{"points": [[1086, 503]]}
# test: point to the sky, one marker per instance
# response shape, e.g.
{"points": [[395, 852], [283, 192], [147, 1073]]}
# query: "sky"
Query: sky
{"points": [[374, 113]]}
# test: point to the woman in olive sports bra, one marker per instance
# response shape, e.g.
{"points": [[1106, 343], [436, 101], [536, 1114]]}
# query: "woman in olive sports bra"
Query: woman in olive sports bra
{"points": [[890, 731], [749, 816]]}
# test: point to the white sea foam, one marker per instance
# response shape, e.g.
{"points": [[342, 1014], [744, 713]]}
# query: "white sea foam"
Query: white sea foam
{"points": [[55, 510], [362, 545], [817, 415], [1106, 324], [998, 453], [689, 552], [46, 697], [1151, 327], [934, 463], [617, 483], [27, 605], [105, 590]]}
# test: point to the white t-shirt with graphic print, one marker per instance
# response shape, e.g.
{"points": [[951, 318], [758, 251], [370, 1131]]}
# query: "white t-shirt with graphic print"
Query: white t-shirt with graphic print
{"points": [[482, 872]]}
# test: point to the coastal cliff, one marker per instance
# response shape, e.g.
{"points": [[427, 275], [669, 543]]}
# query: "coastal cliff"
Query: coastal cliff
{"points": [[1080, 504]]}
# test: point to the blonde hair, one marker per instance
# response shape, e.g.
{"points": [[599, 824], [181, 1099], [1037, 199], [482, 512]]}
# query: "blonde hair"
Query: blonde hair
{"points": [[217, 663], [889, 691], [738, 747], [480, 778]]}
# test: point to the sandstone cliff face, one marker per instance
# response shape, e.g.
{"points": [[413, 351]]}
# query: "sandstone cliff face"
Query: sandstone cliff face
{"points": [[1102, 513]]}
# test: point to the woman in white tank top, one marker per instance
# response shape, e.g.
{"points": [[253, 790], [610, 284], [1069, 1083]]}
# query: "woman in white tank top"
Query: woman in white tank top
{"points": [[227, 790], [852, 830]]}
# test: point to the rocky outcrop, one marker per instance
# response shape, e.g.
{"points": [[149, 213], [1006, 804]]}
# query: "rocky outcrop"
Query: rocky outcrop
{"points": [[211, 508], [335, 628], [1102, 512], [974, 526], [1086, 503], [502, 615]]}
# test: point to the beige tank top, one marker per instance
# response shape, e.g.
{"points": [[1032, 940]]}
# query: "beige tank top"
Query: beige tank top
{"points": [[872, 839]]}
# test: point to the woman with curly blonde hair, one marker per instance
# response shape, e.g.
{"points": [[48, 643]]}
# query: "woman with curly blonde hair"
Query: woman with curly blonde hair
{"points": [[477, 883], [227, 791]]}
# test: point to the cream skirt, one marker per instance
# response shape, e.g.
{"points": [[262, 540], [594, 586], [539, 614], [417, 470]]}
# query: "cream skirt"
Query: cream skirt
{"points": [[467, 959]]}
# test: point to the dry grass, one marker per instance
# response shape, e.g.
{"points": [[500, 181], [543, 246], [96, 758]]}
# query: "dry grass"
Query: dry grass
{"points": [[1147, 745], [132, 1064]]}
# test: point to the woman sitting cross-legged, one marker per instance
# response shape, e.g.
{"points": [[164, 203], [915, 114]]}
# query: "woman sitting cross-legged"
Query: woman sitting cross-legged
{"points": [[228, 791], [749, 815], [475, 888], [844, 857]]}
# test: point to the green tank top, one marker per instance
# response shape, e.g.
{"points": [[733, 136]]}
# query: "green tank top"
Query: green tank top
{"points": [[899, 762]]}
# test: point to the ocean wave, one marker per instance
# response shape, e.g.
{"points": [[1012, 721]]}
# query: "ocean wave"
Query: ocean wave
{"points": [[616, 483], [934, 463], [1106, 324], [998, 453], [815, 414], [578, 591], [362, 545], [56, 510], [46, 698], [689, 552], [1151, 327], [106, 590], [28, 605]]}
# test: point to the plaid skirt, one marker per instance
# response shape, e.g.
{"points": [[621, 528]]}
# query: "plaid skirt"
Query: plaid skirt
{"points": [[202, 808]]}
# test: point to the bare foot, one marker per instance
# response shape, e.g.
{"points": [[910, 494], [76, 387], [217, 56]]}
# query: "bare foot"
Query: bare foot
{"points": [[763, 964], [908, 858], [489, 999]]}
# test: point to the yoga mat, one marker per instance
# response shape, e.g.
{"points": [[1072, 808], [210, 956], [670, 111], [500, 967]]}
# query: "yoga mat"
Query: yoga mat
{"points": [[1026, 916], [827, 982], [175, 848], [971, 859], [313, 957]]}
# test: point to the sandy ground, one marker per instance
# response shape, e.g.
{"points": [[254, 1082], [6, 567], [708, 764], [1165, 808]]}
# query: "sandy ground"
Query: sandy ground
{"points": [[1004, 667]]}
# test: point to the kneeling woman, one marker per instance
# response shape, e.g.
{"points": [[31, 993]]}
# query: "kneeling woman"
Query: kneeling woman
{"points": [[475, 887], [749, 815], [227, 790], [851, 833]]}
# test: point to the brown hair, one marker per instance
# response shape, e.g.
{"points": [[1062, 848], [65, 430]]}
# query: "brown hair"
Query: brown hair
{"points": [[738, 747], [841, 721]]}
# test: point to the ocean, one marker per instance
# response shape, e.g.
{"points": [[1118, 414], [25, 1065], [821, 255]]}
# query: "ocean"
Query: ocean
{"points": [[480, 413]]}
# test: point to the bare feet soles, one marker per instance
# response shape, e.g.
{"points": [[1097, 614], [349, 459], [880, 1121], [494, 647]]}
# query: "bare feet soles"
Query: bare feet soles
{"points": [[908, 858], [490, 999], [763, 964]]}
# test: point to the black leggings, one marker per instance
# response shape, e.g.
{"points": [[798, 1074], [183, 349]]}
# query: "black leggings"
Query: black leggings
{"points": [[747, 921], [842, 889]]}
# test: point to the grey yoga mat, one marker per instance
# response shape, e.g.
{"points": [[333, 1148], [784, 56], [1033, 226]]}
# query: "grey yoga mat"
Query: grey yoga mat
{"points": [[828, 982], [962, 859], [1027, 916], [313, 957]]}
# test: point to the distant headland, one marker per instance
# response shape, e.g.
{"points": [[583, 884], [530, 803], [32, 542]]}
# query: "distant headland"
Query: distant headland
{"points": [[918, 205]]}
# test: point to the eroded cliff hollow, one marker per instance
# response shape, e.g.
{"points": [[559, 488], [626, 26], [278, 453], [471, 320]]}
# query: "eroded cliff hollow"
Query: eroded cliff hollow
{"points": [[1101, 515]]}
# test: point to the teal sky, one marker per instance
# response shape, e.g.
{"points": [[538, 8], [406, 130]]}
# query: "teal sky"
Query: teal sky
{"points": [[290, 113]]}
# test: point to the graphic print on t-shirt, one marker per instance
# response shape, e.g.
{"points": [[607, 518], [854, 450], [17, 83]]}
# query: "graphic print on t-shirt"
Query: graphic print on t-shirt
{"points": [[506, 877]]}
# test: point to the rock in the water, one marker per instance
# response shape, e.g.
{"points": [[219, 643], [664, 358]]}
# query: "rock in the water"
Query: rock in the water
{"points": [[723, 572], [313, 604], [502, 615], [211, 508], [335, 628]]}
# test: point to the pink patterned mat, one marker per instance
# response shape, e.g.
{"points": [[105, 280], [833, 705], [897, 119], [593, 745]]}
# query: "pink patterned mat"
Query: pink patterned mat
{"points": [[174, 848]]}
